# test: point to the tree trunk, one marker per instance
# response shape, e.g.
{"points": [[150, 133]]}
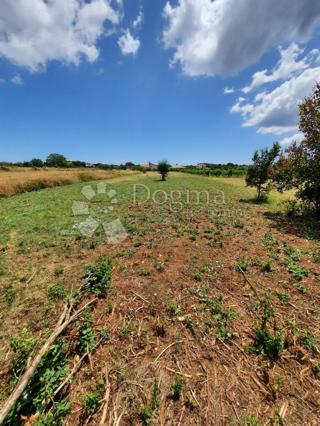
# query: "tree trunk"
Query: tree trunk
{"points": [[259, 192]]}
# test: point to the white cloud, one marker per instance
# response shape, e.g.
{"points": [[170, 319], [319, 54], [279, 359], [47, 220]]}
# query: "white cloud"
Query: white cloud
{"points": [[228, 90], [297, 137], [226, 36], [287, 66], [276, 111], [34, 32], [139, 20], [128, 44], [17, 80]]}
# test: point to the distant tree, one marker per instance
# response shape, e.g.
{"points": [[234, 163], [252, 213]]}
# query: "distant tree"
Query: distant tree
{"points": [[299, 167], [56, 160], [163, 168], [36, 162], [129, 165], [77, 163], [260, 172]]}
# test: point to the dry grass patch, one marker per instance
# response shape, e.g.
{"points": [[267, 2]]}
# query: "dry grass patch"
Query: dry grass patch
{"points": [[14, 180]]}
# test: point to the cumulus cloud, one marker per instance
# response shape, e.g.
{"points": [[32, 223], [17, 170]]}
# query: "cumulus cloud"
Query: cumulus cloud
{"points": [[228, 90], [223, 37], [128, 44], [17, 80], [275, 111], [297, 137], [139, 20], [287, 66], [34, 32]]}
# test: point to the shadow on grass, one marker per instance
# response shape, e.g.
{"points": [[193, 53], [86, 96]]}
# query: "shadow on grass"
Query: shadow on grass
{"points": [[255, 201], [305, 225]]}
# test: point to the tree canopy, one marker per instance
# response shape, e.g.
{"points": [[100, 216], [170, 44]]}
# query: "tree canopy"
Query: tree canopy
{"points": [[260, 172], [56, 160]]}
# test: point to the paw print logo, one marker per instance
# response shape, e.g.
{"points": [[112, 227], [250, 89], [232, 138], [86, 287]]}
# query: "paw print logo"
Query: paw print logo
{"points": [[114, 230]]}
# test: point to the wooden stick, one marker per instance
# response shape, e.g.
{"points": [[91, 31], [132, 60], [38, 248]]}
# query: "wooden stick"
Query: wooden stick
{"points": [[168, 347], [31, 278], [178, 372], [63, 322], [103, 420], [140, 297], [72, 373], [249, 282]]}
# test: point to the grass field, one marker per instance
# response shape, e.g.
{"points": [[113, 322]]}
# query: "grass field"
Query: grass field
{"points": [[16, 180], [211, 318]]}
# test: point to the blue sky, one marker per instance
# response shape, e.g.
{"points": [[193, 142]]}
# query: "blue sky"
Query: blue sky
{"points": [[114, 105]]}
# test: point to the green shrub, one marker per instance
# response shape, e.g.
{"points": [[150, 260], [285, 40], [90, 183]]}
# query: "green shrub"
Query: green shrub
{"points": [[223, 319], [146, 415], [56, 292], [177, 387], [292, 252], [297, 271], [316, 257], [269, 343], [97, 278], [91, 402], [9, 294], [86, 336], [155, 403], [251, 420], [241, 264], [22, 347], [56, 416], [309, 342], [58, 270]]}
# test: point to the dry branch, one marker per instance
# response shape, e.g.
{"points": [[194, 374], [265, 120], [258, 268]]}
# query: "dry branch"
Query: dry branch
{"points": [[165, 349], [249, 282], [103, 420], [65, 319]]}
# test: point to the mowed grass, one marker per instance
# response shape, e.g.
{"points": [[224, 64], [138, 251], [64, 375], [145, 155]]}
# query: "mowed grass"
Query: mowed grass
{"points": [[45, 218], [209, 292]]}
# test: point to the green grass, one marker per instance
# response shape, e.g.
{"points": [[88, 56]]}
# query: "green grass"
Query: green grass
{"points": [[45, 219]]}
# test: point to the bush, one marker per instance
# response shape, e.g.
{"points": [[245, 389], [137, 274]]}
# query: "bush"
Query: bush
{"points": [[22, 346], [91, 402], [97, 278], [56, 292], [267, 342]]}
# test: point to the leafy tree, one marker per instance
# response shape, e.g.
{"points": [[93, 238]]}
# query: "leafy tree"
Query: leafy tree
{"points": [[163, 169], [56, 160], [36, 162], [129, 165], [260, 172], [299, 166]]}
